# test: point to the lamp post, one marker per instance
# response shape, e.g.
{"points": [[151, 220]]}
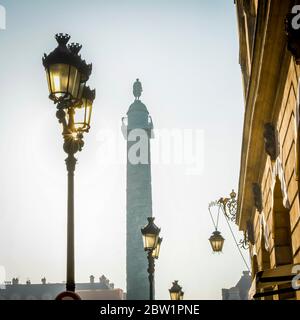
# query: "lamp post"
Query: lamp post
{"points": [[176, 292], [67, 75], [152, 244]]}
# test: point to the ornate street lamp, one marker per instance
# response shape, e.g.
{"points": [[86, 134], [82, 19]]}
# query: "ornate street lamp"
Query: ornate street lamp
{"points": [[66, 72], [227, 206], [152, 245], [176, 292], [216, 241], [67, 75]]}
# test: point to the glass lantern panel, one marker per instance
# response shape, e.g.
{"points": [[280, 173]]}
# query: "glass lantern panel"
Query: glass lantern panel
{"points": [[150, 241], [79, 118], [74, 83], [59, 74], [81, 87], [48, 81], [213, 244], [89, 107], [174, 295], [221, 245], [155, 253], [217, 245]]}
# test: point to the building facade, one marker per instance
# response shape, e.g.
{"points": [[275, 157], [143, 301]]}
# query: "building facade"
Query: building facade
{"points": [[240, 290], [137, 130], [102, 290], [268, 197]]}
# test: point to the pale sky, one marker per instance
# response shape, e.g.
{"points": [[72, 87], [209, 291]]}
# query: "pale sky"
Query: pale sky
{"points": [[185, 53]]}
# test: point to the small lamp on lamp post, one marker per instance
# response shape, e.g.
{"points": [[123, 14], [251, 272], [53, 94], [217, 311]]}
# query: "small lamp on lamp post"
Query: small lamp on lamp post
{"points": [[176, 292], [67, 75], [152, 244]]}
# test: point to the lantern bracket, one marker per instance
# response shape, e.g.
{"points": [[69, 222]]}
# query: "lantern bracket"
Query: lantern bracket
{"points": [[229, 208], [73, 141]]}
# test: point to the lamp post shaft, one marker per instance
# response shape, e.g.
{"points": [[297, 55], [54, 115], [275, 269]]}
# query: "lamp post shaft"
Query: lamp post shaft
{"points": [[151, 269], [71, 163]]}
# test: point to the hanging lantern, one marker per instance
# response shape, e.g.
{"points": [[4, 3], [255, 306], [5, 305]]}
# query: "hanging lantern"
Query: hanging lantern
{"points": [[216, 241]]}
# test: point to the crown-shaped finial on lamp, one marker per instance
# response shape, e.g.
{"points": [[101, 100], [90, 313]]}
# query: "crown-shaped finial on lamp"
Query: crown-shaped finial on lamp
{"points": [[62, 38], [75, 48]]}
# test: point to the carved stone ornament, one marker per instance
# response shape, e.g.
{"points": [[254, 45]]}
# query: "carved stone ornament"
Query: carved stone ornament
{"points": [[270, 140], [250, 232], [257, 197]]}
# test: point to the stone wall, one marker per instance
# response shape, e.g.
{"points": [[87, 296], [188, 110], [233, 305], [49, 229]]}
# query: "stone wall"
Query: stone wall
{"points": [[271, 98], [282, 218]]}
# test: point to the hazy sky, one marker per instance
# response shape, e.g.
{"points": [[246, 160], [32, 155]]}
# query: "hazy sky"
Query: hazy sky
{"points": [[186, 55]]}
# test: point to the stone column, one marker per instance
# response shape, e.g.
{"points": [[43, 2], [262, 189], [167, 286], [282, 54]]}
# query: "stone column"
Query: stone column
{"points": [[137, 131]]}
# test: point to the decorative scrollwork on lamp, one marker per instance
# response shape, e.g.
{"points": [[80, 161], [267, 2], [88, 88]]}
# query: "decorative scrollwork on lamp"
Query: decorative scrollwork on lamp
{"points": [[229, 206]]}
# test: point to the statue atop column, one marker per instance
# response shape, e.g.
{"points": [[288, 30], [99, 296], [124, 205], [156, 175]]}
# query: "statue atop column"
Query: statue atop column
{"points": [[137, 89]]}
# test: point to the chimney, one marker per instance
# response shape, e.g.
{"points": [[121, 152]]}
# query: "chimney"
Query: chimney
{"points": [[92, 279]]}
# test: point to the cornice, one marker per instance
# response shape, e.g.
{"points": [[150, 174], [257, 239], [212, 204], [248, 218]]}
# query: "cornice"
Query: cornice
{"points": [[269, 55]]}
